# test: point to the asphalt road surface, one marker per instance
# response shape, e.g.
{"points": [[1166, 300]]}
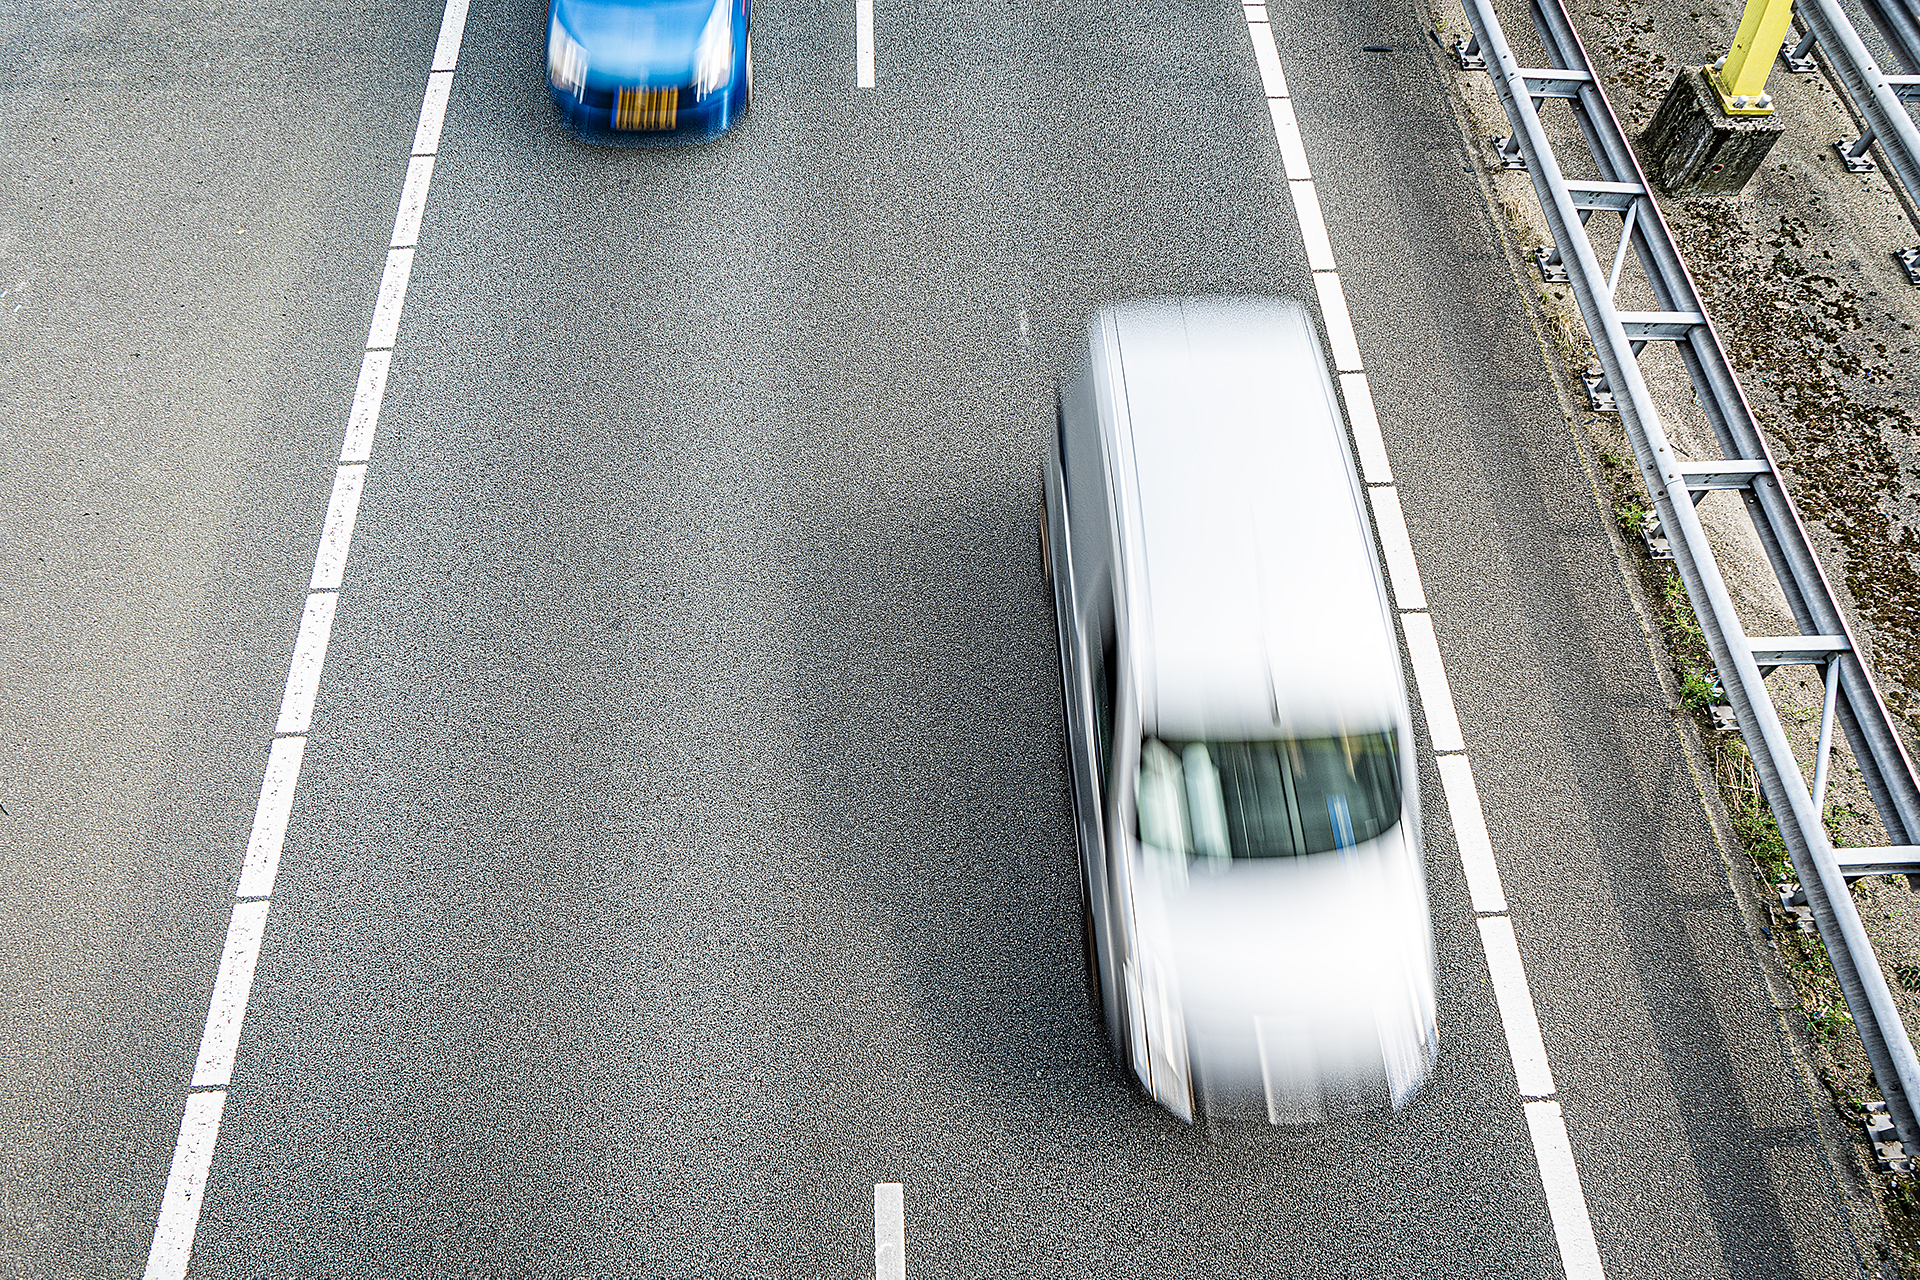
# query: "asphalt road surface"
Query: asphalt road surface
{"points": [[683, 843]]}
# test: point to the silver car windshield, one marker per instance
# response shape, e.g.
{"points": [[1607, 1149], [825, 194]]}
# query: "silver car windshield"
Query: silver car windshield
{"points": [[1267, 799]]}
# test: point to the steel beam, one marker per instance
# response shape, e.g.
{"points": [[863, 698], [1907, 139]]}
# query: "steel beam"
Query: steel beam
{"points": [[1897, 860], [1724, 474]]}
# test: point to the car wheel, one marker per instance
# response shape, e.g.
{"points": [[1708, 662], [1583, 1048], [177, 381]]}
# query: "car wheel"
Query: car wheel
{"points": [[747, 106]]}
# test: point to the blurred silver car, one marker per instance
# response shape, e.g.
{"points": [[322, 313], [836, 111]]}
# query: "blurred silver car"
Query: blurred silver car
{"points": [[1257, 934]]}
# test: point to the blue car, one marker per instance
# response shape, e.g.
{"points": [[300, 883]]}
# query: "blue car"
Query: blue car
{"points": [[650, 72]]}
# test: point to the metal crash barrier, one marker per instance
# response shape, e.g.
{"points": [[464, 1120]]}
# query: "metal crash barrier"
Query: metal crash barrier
{"points": [[1879, 98], [1677, 484]]}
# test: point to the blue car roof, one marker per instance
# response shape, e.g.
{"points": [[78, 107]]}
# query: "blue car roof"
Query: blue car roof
{"points": [[637, 41]]}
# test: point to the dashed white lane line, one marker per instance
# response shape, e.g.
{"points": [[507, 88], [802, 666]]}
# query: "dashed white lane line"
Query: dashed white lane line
{"points": [[228, 1008], [393, 295], [1566, 1203], [1517, 1014], [336, 533], [309, 655], [186, 1186], [180, 1202], [1403, 573], [863, 43], [1267, 57], [1293, 152], [413, 202], [1366, 428], [270, 818], [1484, 889], [889, 1231], [1313, 225], [1337, 321], [1546, 1127], [365, 415], [1436, 695]]}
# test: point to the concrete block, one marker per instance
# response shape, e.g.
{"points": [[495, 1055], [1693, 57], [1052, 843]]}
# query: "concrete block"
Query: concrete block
{"points": [[1693, 147]]}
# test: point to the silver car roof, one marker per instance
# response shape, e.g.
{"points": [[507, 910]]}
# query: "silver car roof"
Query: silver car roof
{"points": [[1255, 604]]}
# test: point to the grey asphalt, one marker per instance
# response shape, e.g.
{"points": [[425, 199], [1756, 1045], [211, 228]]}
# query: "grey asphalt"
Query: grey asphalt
{"points": [[683, 845]]}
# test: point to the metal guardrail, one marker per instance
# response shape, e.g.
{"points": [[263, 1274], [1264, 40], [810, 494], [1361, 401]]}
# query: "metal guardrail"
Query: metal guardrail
{"points": [[1902, 26], [1879, 98], [1743, 661]]}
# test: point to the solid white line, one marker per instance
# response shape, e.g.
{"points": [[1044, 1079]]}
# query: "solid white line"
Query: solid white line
{"points": [[393, 294], [228, 1008], [446, 50], [1470, 833], [336, 535], [1402, 572], [863, 42], [1572, 1223], [365, 415], [1339, 323], [1366, 428], [1517, 1013], [1436, 695], [1293, 153], [270, 818], [889, 1231], [413, 202], [1272, 79], [309, 654], [1313, 226], [186, 1182], [433, 113]]}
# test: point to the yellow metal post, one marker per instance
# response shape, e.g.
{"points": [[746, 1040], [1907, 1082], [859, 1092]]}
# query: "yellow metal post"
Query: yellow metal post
{"points": [[1740, 78]]}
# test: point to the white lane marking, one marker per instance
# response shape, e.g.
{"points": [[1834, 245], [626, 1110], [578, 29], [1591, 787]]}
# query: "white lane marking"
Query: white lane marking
{"points": [[1338, 321], [1313, 226], [1566, 1204], [1470, 833], [453, 24], [336, 535], [1403, 574], [228, 1008], [433, 113], [413, 202], [365, 415], [1366, 428], [1293, 153], [393, 294], [1517, 1014], [1272, 79], [172, 1249], [889, 1231], [1553, 1152], [186, 1187], [863, 43], [309, 655], [270, 818], [1436, 695]]}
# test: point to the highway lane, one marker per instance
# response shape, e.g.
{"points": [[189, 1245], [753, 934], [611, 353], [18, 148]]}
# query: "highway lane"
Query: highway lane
{"points": [[682, 847], [193, 191], [1643, 967]]}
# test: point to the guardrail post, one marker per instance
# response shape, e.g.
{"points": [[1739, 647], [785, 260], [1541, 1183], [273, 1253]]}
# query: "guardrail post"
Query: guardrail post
{"points": [[1715, 126]]}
